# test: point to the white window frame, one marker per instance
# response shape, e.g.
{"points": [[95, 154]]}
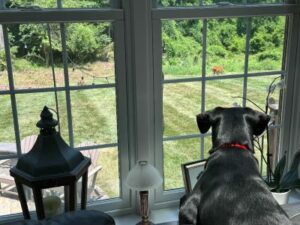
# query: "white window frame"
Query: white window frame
{"points": [[61, 15], [171, 197], [139, 70]]}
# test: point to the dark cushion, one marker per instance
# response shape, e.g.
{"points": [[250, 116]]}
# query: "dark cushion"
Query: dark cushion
{"points": [[86, 217]]}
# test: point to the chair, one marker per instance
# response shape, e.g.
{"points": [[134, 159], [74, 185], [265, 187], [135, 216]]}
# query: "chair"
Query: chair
{"points": [[92, 189], [27, 143], [8, 181], [93, 170]]}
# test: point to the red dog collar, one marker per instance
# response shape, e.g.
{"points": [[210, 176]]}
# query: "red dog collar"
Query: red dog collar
{"points": [[228, 145]]}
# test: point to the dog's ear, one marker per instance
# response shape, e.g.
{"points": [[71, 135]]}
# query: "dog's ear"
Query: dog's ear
{"points": [[259, 122], [204, 122]]}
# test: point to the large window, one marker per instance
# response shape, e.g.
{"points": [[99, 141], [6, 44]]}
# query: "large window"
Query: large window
{"points": [[128, 77], [209, 63], [214, 60], [70, 67]]}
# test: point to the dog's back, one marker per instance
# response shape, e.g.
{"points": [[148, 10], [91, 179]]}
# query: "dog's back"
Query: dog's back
{"points": [[231, 190], [233, 193]]}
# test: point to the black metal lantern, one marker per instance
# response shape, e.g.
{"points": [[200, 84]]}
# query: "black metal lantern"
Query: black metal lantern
{"points": [[50, 163]]}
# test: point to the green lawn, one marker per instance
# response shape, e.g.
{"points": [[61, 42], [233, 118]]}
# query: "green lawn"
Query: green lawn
{"points": [[94, 116]]}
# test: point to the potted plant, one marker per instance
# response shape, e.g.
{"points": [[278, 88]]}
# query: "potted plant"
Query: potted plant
{"points": [[282, 183]]}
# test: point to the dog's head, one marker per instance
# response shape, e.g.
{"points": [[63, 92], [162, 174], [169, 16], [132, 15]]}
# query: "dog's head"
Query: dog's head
{"points": [[233, 125]]}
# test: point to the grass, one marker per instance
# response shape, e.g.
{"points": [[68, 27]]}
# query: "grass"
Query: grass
{"points": [[182, 102], [94, 114]]}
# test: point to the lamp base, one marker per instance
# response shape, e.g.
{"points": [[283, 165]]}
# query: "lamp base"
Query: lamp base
{"points": [[145, 223]]}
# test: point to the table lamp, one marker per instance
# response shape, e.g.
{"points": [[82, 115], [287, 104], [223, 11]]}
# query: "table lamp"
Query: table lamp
{"points": [[143, 177]]}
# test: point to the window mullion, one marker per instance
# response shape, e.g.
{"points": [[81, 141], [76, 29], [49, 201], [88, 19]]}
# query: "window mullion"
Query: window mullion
{"points": [[12, 87], [121, 104], [246, 67], [204, 56], [67, 84]]}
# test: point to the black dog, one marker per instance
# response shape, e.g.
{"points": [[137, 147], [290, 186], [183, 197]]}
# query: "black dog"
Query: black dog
{"points": [[231, 190]]}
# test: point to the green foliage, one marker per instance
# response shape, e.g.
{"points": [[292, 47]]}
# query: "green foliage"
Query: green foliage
{"points": [[82, 43], [177, 47], [182, 40], [272, 54], [3, 57], [2, 61], [53, 3], [217, 50], [290, 179], [86, 42]]}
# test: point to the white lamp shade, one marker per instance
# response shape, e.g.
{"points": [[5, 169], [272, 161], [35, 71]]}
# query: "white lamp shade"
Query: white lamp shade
{"points": [[143, 176]]}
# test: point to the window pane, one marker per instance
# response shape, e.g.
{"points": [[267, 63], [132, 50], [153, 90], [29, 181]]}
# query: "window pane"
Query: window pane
{"points": [[94, 116], [86, 4], [181, 104], [207, 146], [109, 178], [266, 44], [29, 110], [53, 3], [182, 47], [226, 40], [31, 3], [175, 154], [190, 3], [178, 3], [4, 85], [223, 93], [7, 136], [90, 53], [258, 90], [31, 55]]}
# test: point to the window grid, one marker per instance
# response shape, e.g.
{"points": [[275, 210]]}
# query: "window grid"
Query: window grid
{"points": [[67, 88], [203, 78], [60, 16]]}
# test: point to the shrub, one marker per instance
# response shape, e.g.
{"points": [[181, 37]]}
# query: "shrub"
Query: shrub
{"points": [[82, 43], [270, 54], [217, 50], [179, 50]]}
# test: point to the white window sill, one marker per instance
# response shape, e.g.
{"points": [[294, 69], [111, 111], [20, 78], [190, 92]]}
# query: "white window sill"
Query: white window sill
{"points": [[156, 217], [171, 214]]}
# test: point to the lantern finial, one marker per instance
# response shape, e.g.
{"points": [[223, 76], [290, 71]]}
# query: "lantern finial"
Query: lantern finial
{"points": [[47, 122]]}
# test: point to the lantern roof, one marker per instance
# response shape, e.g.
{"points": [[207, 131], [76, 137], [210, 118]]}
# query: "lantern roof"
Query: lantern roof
{"points": [[50, 155]]}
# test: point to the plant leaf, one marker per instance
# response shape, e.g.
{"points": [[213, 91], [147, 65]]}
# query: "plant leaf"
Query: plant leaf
{"points": [[290, 180], [296, 161]]}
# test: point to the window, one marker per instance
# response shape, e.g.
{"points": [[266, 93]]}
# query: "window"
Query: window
{"points": [[224, 75], [130, 80], [70, 67], [216, 59]]}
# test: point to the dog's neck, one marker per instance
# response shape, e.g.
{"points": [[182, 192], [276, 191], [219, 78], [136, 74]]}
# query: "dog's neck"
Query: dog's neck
{"points": [[230, 145], [235, 145]]}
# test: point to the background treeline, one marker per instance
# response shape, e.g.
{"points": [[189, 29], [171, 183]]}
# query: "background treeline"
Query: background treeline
{"points": [[182, 40]]}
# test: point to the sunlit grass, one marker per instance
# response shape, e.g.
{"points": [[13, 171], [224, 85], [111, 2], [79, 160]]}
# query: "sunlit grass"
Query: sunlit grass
{"points": [[94, 118]]}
